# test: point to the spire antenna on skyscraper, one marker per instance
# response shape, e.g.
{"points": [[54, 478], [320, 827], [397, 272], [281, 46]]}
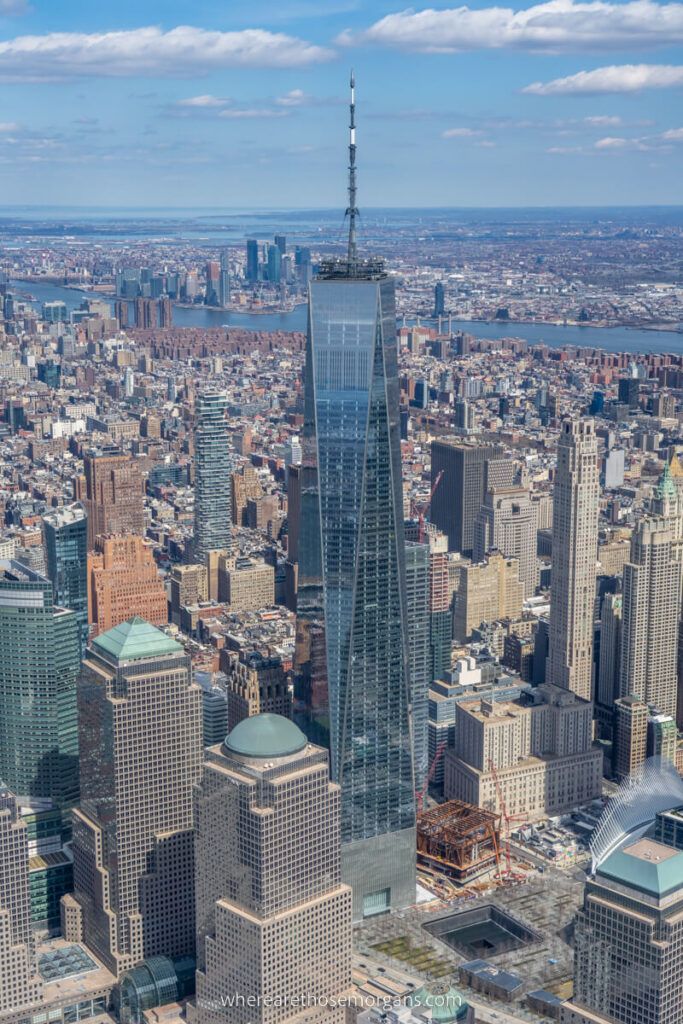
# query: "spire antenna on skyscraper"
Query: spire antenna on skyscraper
{"points": [[352, 209]]}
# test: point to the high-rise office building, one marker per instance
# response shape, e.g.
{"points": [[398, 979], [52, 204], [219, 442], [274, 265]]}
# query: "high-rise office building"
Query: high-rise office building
{"points": [[419, 649], [41, 652], [486, 592], [212, 513], [212, 274], [506, 522], [252, 267], [609, 669], [439, 299], [352, 570], [123, 581], [651, 611], [274, 264], [273, 917], [629, 748], [460, 492], [141, 741], [575, 545], [224, 280], [20, 983], [628, 967], [65, 532], [112, 493]]}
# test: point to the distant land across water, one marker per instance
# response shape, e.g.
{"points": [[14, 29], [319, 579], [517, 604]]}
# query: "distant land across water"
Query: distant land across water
{"points": [[611, 339]]}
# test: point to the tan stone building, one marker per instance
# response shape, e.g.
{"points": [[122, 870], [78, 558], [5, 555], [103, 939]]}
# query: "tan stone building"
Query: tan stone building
{"points": [[189, 586], [539, 754], [486, 592], [273, 918], [245, 584], [140, 737], [245, 486], [575, 542], [630, 736], [123, 581], [507, 523]]}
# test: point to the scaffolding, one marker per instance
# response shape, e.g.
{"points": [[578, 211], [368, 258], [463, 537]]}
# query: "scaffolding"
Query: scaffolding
{"points": [[458, 839]]}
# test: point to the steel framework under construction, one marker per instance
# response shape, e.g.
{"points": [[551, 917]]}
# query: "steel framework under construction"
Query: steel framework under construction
{"points": [[458, 839]]}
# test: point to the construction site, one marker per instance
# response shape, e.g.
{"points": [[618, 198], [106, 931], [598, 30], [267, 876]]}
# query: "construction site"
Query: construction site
{"points": [[458, 840]]}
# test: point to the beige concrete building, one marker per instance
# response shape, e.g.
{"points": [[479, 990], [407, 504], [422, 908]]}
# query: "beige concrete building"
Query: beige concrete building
{"points": [[246, 584], [650, 615], [486, 592], [613, 552], [140, 740], [189, 586], [273, 918], [540, 752], [20, 983], [255, 685], [575, 542], [506, 522]]}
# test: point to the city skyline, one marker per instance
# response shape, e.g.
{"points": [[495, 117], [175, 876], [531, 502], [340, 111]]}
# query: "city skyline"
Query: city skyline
{"points": [[551, 104]]}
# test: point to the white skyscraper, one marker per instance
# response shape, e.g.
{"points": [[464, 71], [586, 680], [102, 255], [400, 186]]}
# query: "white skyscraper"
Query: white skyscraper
{"points": [[575, 542]]}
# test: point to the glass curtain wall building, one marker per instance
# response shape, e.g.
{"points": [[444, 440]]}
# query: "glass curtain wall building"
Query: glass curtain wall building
{"points": [[212, 510], [352, 578], [38, 673], [66, 547]]}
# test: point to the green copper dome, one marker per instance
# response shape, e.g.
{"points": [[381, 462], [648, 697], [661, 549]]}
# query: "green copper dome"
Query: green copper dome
{"points": [[265, 736], [444, 1001]]}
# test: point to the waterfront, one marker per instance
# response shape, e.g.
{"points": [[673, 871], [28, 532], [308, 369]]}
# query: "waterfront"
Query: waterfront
{"points": [[612, 339]]}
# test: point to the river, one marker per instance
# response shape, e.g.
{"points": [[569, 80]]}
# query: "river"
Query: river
{"points": [[612, 339]]}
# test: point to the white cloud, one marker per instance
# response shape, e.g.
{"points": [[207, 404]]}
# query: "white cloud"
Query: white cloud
{"points": [[673, 135], [611, 142], [180, 52], [602, 121], [8, 126], [612, 79], [14, 7], [555, 25], [293, 98], [459, 133], [248, 113], [205, 102]]}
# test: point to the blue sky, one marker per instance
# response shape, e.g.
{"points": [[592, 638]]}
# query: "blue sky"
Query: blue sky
{"points": [[228, 103]]}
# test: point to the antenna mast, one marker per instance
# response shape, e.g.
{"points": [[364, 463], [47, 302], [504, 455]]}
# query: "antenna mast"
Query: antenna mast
{"points": [[352, 209]]}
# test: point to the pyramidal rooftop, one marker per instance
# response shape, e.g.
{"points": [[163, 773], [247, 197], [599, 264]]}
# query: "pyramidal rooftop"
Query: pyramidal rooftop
{"points": [[134, 640]]}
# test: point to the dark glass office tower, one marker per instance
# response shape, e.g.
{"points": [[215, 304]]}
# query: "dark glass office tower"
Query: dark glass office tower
{"points": [[66, 547], [355, 691], [40, 657]]}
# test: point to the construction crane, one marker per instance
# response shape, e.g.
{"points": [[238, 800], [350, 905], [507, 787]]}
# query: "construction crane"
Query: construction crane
{"points": [[507, 818], [422, 512], [422, 793]]}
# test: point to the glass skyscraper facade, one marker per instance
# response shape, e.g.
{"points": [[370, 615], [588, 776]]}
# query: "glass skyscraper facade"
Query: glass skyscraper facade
{"points": [[212, 499], [66, 550], [352, 596], [40, 661]]}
